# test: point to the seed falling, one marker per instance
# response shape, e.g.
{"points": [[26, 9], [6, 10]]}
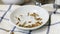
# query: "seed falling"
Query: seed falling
{"points": [[17, 23], [19, 19]]}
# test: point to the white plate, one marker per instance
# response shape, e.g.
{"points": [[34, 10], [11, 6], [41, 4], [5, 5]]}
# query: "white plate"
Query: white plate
{"points": [[30, 8]]}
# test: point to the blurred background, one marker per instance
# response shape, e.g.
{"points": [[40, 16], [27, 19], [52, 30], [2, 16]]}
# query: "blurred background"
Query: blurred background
{"points": [[25, 1]]}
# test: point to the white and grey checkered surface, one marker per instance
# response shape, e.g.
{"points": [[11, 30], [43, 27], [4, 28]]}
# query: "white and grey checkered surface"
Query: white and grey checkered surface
{"points": [[5, 22]]}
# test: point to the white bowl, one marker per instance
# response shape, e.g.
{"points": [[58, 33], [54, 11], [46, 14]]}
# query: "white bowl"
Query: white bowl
{"points": [[30, 8]]}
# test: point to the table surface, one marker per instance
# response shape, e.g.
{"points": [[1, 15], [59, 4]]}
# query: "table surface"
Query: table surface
{"points": [[54, 28]]}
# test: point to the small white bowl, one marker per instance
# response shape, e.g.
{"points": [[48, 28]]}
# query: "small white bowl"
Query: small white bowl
{"points": [[30, 8]]}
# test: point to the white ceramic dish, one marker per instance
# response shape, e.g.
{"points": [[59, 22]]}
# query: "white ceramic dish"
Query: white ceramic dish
{"points": [[30, 8]]}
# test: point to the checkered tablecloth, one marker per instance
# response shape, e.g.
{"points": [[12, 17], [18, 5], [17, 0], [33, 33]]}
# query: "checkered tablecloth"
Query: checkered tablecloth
{"points": [[5, 22]]}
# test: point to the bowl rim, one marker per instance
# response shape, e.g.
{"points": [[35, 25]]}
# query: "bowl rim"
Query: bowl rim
{"points": [[33, 27]]}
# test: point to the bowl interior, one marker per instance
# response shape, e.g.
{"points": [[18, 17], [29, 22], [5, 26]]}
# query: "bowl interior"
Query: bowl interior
{"points": [[29, 9]]}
